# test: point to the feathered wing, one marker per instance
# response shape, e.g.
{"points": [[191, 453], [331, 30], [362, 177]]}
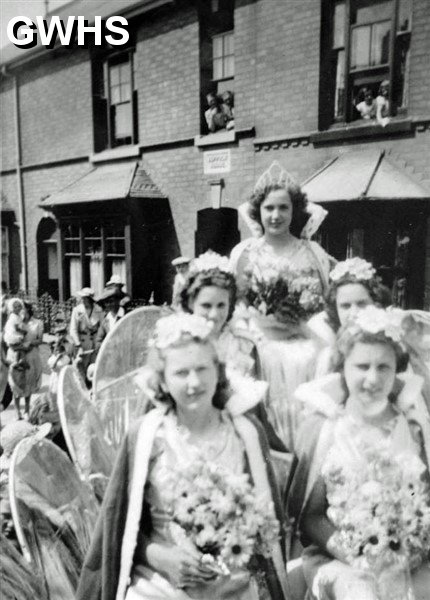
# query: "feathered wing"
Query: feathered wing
{"points": [[54, 513]]}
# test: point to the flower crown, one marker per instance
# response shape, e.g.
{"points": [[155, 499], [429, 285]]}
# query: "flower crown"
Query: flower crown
{"points": [[355, 267], [209, 261], [375, 320], [173, 329]]}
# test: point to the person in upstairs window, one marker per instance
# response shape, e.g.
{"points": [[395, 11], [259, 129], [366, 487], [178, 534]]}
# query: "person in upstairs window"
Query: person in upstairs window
{"points": [[383, 103], [215, 115], [366, 105], [228, 108]]}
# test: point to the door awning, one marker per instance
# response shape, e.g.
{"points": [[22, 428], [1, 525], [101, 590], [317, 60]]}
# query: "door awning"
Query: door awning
{"points": [[366, 175], [108, 182]]}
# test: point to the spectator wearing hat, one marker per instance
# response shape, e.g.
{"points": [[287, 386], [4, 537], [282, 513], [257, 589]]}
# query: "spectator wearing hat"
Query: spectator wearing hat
{"points": [[115, 281], [110, 300], [181, 265], [84, 324]]}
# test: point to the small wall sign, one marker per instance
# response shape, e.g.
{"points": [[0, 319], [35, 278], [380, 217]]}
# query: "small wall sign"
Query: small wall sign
{"points": [[216, 161]]}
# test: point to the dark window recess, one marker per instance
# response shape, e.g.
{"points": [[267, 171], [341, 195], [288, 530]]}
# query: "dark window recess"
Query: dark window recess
{"points": [[114, 101], [364, 43], [217, 59]]}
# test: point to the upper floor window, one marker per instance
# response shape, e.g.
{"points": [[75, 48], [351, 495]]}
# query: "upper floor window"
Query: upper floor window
{"points": [[364, 59], [223, 61], [114, 101], [217, 65]]}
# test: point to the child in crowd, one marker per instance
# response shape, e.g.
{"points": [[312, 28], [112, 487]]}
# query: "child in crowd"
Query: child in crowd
{"points": [[14, 335]]}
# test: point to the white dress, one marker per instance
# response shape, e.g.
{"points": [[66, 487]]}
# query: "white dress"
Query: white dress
{"points": [[287, 353]]}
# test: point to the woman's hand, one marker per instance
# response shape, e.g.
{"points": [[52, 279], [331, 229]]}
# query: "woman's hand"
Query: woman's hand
{"points": [[182, 566]]}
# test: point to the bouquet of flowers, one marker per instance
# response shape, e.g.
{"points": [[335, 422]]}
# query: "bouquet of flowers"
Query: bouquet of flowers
{"points": [[382, 517], [221, 515], [290, 295]]}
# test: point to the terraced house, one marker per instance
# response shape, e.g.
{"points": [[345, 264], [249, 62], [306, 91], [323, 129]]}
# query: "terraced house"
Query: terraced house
{"points": [[114, 163]]}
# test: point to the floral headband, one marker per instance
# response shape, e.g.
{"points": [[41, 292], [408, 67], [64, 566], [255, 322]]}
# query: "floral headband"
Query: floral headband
{"points": [[358, 268], [173, 329], [209, 261], [376, 320]]}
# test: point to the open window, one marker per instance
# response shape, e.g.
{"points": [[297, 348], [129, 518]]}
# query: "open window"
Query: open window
{"points": [[364, 58], [217, 65]]}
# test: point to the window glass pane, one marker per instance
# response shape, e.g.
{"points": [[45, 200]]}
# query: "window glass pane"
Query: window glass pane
{"points": [[229, 43], [115, 247], [125, 73], [369, 11], [115, 95], [217, 68], [360, 46], [125, 92], [217, 46], [339, 25], [52, 261], [123, 121], [114, 75], [405, 14], [340, 85], [75, 275], [380, 43], [229, 66]]}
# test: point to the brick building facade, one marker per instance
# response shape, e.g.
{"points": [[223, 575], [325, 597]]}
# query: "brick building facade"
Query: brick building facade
{"points": [[152, 117]]}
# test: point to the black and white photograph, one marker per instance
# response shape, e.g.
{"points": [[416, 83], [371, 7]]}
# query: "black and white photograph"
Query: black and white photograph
{"points": [[215, 296]]}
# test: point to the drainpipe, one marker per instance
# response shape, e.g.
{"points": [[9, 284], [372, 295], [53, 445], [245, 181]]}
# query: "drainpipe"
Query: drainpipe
{"points": [[22, 228]]}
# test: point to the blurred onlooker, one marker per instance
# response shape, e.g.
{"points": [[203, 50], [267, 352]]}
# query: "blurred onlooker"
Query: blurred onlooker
{"points": [[366, 105], [215, 115], [110, 300], [15, 332], [84, 324], [228, 108], [181, 264], [383, 103], [115, 281]]}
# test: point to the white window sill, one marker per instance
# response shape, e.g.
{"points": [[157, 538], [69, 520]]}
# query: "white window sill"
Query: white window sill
{"points": [[115, 154], [214, 139]]}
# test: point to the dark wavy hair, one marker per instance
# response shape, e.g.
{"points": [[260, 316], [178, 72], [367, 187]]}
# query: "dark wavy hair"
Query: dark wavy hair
{"points": [[156, 361], [349, 336], [379, 293], [299, 202], [195, 282]]}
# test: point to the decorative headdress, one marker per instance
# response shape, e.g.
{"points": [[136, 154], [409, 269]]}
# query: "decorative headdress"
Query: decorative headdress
{"points": [[171, 330], [277, 175], [208, 261], [376, 320], [356, 267]]}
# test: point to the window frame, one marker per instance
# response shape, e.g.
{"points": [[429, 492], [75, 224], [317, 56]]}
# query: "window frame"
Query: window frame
{"points": [[361, 73], [80, 223], [113, 141], [223, 56]]}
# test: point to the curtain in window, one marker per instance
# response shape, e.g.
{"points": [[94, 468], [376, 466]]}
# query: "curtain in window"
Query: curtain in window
{"points": [[96, 273], [75, 274], [118, 268]]}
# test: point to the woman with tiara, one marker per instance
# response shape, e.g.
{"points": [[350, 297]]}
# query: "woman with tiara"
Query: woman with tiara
{"points": [[360, 496], [137, 552], [282, 276]]}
